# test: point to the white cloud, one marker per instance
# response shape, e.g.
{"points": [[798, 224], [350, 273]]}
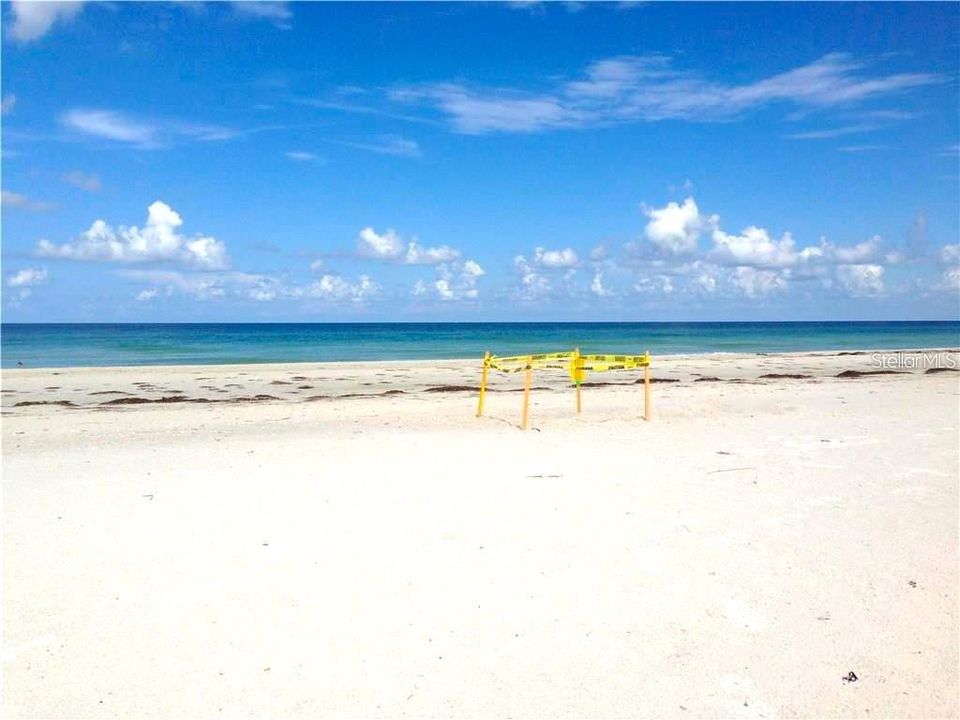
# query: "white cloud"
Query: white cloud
{"points": [[79, 179], [208, 286], [111, 125], [200, 286], [475, 113], [456, 281], [388, 145], [753, 247], [417, 255], [159, 240], [532, 283], [861, 148], [301, 156], [656, 285], [861, 280], [274, 11], [147, 134], [391, 247], [833, 132], [950, 280], [23, 281], [27, 277], [705, 280], [566, 258], [16, 200], [32, 20], [388, 246], [757, 283], [648, 88], [6, 105], [675, 228], [597, 287], [857, 254], [950, 254], [598, 253], [335, 288], [316, 266]]}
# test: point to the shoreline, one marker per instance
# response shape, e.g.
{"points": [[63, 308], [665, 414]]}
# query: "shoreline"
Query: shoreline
{"points": [[273, 365], [28, 390]]}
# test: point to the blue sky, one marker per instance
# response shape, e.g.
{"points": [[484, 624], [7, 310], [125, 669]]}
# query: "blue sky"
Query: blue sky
{"points": [[477, 161]]}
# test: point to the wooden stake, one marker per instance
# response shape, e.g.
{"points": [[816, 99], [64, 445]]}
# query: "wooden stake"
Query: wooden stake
{"points": [[483, 383], [527, 378], [646, 391], [576, 375]]}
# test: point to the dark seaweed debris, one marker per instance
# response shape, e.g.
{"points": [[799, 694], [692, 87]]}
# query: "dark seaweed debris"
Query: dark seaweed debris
{"points": [[864, 373]]}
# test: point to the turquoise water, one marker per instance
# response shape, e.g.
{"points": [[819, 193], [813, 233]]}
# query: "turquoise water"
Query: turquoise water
{"points": [[56, 345]]}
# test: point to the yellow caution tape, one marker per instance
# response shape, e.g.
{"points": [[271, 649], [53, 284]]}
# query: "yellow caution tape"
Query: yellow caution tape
{"points": [[516, 363], [576, 364]]}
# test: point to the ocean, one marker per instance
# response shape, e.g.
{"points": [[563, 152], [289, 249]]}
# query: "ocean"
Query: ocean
{"points": [[99, 345]]}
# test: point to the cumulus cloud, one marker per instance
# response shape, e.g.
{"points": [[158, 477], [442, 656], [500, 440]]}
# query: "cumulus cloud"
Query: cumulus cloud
{"points": [[334, 287], [158, 241], [199, 286], [386, 246], [598, 253], [455, 281], [389, 246], [950, 254], [23, 281], [417, 255], [655, 285], [950, 280], [79, 179], [861, 280], [532, 283], [250, 286], [16, 200], [566, 258], [757, 283], [32, 20], [27, 277], [754, 247], [675, 229], [597, 287]]}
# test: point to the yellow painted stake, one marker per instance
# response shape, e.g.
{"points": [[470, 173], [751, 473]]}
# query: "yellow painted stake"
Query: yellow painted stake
{"points": [[576, 375], [527, 378], [483, 383], [646, 389]]}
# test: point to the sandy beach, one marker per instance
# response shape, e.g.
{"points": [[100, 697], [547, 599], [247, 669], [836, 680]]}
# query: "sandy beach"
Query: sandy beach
{"points": [[348, 540]]}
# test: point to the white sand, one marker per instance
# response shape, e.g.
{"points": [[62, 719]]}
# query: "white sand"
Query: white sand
{"points": [[394, 556]]}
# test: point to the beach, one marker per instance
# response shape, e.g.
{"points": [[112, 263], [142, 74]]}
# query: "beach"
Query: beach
{"points": [[349, 540]]}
